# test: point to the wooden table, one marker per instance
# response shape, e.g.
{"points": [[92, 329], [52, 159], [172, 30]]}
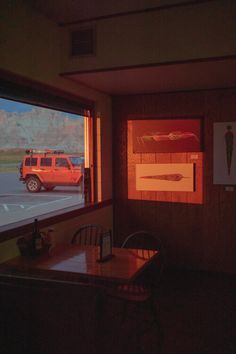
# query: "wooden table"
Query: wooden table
{"points": [[54, 303], [76, 263]]}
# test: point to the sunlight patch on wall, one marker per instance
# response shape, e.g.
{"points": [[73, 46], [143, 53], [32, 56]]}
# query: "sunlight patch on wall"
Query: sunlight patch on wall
{"points": [[159, 168]]}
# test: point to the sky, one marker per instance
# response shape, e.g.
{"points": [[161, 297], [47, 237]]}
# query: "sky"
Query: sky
{"points": [[18, 107], [12, 106]]}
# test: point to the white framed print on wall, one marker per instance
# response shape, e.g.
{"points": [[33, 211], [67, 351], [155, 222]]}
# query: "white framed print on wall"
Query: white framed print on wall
{"points": [[224, 153], [172, 177]]}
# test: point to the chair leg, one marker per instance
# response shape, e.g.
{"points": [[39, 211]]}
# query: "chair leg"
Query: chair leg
{"points": [[124, 312], [143, 332], [156, 319], [99, 324], [140, 327], [151, 309]]}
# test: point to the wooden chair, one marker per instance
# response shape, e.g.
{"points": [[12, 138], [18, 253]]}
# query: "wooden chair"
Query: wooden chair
{"points": [[88, 234], [138, 299]]}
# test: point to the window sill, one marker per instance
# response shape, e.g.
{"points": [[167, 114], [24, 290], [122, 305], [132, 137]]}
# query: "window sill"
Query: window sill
{"points": [[22, 227]]}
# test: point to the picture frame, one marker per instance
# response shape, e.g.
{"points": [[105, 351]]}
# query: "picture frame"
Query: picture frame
{"points": [[168, 177], [167, 135], [224, 153]]}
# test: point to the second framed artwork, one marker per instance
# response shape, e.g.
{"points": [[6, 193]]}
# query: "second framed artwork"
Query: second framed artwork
{"points": [[176, 177], [167, 135]]}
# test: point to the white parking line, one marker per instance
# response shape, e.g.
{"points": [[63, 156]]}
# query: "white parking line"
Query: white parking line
{"points": [[42, 195], [11, 207], [6, 206], [53, 201]]}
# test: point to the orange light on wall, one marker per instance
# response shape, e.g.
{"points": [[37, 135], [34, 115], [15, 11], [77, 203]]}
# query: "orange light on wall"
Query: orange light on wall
{"points": [[92, 142], [99, 158], [163, 176], [86, 140], [88, 157]]}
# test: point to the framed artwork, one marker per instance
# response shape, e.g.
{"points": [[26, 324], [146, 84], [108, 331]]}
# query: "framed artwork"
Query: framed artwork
{"points": [[175, 177], [167, 135], [224, 153]]}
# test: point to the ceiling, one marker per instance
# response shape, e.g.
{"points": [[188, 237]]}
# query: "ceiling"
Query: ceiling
{"points": [[68, 11], [162, 78], [196, 75]]}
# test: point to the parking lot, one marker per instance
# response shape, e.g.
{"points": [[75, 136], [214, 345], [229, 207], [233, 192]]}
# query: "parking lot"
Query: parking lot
{"points": [[17, 204]]}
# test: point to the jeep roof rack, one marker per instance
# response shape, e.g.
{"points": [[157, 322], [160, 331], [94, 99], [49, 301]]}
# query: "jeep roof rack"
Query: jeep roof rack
{"points": [[35, 151]]}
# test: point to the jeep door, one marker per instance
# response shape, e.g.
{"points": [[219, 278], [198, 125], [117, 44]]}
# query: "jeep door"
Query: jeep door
{"points": [[46, 170], [77, 164], [62, 171]]}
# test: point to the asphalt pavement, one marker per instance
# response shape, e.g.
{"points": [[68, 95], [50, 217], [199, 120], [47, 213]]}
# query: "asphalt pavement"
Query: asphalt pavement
{"points": [[17, 204]]}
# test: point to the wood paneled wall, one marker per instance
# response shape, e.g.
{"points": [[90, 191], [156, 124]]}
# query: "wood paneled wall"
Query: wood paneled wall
{"points": [[196, 236]]}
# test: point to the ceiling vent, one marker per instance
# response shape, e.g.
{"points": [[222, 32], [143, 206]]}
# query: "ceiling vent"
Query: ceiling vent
{"points": [[83, 42]]}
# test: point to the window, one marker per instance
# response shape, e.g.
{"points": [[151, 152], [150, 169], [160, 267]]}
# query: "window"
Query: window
{"points": [[76, 161], [36, 128], [45, 161], [30, 161], [61, 162]]}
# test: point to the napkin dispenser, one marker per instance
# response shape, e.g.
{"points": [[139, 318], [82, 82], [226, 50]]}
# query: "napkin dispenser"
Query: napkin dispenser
{"points": [[105, 247]]}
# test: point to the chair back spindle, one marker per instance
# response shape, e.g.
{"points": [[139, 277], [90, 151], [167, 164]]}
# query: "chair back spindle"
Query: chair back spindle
{"points": [[88, 234], [147, 242]]}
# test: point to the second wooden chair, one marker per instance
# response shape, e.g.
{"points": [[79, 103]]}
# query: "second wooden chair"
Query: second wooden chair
{"points": [[88, 234]]}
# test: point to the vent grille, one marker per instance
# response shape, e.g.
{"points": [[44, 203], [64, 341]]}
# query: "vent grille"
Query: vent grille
{"points": [[82, 42]]}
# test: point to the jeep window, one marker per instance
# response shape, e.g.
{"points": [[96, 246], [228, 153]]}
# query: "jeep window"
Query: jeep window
{"points": [[31, 161], [60, 162], [46, 161], [76, 161]]}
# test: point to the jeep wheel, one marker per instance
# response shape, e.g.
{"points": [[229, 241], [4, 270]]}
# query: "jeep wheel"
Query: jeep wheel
{"points": [[49, 188], [33, 184]]}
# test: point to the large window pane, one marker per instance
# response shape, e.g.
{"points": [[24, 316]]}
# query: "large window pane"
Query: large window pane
{"points": [[34, 141]]}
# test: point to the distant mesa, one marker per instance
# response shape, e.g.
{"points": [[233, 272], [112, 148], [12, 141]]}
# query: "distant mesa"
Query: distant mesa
{"points": [[44, 129]]}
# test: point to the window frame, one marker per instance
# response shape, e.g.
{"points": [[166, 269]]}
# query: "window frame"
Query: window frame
{"points": [[18, 88]]}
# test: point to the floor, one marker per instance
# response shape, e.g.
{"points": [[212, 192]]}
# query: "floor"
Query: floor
{"points": [[198, 313], [197, 316]]}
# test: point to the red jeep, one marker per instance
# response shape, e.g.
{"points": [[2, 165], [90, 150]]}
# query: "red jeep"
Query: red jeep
{"points": [[48, 169]]}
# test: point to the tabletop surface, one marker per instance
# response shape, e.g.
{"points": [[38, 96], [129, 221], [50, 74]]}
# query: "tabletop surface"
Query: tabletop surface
{"points": [[72, 262]]}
